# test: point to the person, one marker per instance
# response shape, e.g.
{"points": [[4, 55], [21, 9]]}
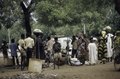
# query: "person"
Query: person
{"points": [[4, 48], [102, 47], [74, 46], [117, 44], [95, 40], [87, 41], [81, 50], [49, 46], [56, 52], [92, 48], [109, 38], [39, 47], [13, 48], [29, 44], [22, 50]]}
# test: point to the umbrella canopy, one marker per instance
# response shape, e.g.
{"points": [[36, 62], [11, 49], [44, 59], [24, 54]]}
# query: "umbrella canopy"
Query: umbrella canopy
{"points": [[37, 31]]}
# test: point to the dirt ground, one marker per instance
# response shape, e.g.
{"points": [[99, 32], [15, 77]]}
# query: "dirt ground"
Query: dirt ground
{"points": [[100, 71]]}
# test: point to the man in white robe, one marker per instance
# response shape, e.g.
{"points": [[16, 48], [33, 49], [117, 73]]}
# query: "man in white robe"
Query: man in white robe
{"points": [[109, 37], [92, 52]]}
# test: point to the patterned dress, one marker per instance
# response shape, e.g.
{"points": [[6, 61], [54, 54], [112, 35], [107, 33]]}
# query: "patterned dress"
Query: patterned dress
{"points": [[102, 48]]}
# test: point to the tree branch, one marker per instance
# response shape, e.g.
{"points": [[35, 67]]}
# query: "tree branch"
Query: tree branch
{"points": [[23, 6], [117, 5]]}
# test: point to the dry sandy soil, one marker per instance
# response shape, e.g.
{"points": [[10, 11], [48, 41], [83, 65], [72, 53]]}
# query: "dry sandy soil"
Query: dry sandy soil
{"points": [[100, 71]]}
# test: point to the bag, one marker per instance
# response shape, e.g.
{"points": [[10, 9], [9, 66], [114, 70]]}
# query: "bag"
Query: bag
{"points": [[75, 62], [57, 47]]}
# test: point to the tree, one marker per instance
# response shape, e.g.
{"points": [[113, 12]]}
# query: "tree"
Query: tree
{"points": [[117, 5], [26, 7], [57, 12], [8, 12]]}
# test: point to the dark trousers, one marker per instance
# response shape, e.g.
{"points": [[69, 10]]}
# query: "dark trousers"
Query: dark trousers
{"points": [[15, 58], [29, 54], [48, 57], [74, 52], [23, 58]]}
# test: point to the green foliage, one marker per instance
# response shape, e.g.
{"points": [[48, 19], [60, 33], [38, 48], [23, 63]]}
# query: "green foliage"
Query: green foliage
{"points": [[61, 17], [9, 12], [57, 12], [94, 14]]}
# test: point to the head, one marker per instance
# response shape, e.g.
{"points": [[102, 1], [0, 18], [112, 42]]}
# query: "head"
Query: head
{"points": [[48, 37], [73, 37], [4, 42], [91, 39], [103, 33], [28, 35], [117, 33], [22, 36], [56, 39], [108, 29], [94, 39], [12, 40]]}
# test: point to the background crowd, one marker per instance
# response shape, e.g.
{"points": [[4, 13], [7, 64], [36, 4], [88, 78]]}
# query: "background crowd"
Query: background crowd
{"points": [[85, 50]]}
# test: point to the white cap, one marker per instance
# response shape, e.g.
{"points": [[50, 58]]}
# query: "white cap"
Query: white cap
{"points": [[95, 39]]}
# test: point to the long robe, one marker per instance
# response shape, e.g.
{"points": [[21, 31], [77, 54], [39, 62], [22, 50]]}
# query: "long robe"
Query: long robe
{"points": [[92, 53], [102, 48], [40, 54], [109, 45]]}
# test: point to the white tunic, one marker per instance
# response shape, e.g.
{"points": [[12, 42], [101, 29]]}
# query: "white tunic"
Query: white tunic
{"points": [[109, 45], [92, 53]]}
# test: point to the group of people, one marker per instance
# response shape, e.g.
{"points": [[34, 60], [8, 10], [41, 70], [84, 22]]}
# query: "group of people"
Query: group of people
{"points": [[31, 47], [90, 50], [86, 50], [24, 46]]}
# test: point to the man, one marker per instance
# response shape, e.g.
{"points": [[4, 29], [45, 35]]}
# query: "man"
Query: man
{"points": [[109, 38], [49, 46], [57, 52], [13, 48], [22, 50], [117, 44], [29, 44], [4, 48], [74, 46]]}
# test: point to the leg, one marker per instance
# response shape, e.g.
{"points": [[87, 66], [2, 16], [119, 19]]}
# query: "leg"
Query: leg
{"points": [[54, 60], [17, 60], [58, 60], [21, 62], [73, 53], [29, 55], [54, 63], [13, 59]]}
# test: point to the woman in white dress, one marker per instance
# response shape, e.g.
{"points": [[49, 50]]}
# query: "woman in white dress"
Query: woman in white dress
{"points": [[92, 48]]}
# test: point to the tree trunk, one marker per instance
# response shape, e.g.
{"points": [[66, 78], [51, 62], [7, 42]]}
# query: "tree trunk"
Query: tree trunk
{"points": [[26, 17], [27, 22], [117, 5]]}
